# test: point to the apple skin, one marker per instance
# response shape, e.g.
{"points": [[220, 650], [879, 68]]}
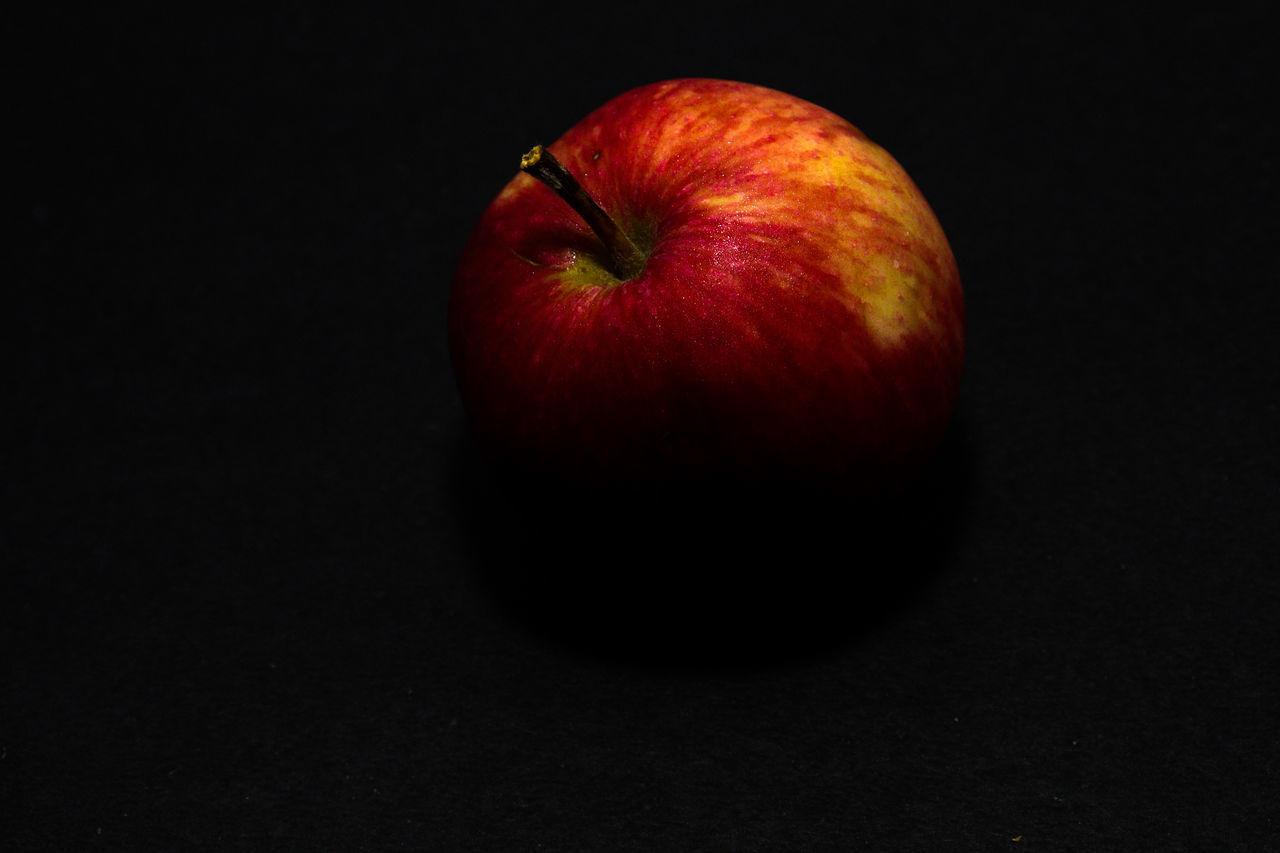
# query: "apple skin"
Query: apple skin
{"points": [[799, 317]]}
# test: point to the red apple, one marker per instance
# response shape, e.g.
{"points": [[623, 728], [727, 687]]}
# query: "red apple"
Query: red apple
{"points": [[737, 284]]}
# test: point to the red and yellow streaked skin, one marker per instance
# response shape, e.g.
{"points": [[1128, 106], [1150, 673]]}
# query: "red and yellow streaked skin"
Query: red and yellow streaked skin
{"points": [[799, 316]]}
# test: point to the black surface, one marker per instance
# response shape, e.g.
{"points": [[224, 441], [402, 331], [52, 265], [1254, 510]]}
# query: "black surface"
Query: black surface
{"points": [[260, 593]]}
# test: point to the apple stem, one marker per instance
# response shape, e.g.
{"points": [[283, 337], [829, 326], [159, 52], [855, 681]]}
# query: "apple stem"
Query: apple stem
{"points": [[626, 259]]}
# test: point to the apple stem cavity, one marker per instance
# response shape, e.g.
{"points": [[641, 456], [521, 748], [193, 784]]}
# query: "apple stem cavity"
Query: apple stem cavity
{"points": [[625, 258]]}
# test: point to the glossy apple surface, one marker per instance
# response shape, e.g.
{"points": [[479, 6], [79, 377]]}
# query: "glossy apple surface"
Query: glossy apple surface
{"points": [[798, 316]]}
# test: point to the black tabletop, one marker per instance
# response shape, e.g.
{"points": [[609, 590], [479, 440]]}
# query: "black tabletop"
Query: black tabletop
{"points": [[261, 591]]}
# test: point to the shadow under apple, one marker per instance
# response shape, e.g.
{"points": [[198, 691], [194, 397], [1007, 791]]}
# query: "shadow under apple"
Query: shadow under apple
{"points": [[705, 575]]}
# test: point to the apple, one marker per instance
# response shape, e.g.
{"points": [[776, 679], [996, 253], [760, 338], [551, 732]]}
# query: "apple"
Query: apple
{"points": [[707, 279]]}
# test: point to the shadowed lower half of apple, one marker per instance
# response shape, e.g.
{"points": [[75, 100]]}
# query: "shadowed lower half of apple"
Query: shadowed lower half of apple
{"points": [[705, 574]]}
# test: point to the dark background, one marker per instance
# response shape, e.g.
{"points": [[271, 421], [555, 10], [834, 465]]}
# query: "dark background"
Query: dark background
{"points": [[260, 592]]}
